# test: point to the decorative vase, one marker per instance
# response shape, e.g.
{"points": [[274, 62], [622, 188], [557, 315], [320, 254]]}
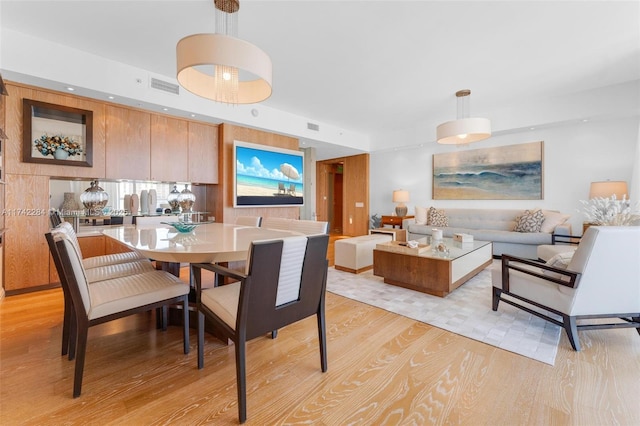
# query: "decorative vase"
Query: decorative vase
{"points": [[172, 199], [94, 199], [186, 200], [60, 154], [144, 201], [69, 202]]}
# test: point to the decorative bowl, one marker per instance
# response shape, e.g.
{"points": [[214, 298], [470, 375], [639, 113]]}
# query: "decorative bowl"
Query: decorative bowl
{"points": [[182, 226]]}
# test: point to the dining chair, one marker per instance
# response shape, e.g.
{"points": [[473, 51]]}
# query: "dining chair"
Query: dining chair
{"points": [[97, 268], [248, 220], [109, 299], [285, 282]]}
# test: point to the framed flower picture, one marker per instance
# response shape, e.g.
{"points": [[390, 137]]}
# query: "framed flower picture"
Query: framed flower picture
{"points": [[56, 134]]}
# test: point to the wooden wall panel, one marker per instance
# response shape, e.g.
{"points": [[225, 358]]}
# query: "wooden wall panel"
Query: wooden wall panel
{"points": [[128, 144], [203, 153], [355, 220], [14, 123], [169, 149], [25, 247], [224, 205]]}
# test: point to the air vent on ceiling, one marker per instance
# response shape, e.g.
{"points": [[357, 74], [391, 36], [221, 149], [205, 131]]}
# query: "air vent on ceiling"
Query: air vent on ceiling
{"points": [[165, 86], [312, 126]]}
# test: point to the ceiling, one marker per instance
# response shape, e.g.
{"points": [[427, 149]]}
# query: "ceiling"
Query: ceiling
{"points": [[371, 66]]}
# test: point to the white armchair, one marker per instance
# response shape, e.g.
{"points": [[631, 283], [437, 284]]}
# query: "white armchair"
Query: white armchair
{"points": [[602, 280]]}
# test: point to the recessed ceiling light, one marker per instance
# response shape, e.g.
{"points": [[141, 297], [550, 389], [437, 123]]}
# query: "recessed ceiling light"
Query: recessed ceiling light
{"points": [[532, 128], [193, 115], [585, 120], [165, 109], [71, 89], [111, 97]]}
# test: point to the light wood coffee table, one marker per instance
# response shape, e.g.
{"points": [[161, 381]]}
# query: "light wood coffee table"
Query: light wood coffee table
{"points": [[427, 271]]}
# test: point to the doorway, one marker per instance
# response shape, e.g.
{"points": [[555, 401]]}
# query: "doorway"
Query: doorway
{"points": [[334, 184]]}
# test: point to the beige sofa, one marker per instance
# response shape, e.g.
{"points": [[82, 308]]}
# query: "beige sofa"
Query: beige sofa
{"points": [[496, 225]]}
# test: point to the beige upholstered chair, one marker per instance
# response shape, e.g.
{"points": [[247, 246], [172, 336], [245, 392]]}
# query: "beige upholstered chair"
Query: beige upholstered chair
{"points": [[248, 220], [97, 268], [285, 282], [602, 280], [110, 299], [309, 227], [275, 223]]}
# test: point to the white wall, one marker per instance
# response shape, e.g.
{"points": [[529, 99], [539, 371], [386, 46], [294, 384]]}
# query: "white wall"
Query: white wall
{"points": [[574, 155]]}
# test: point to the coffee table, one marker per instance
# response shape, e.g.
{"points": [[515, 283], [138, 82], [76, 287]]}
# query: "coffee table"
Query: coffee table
{"points": [[430, 271]]}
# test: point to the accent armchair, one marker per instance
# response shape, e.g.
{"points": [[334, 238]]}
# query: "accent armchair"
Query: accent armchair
{"points": [[285, 282], [602, 280]]}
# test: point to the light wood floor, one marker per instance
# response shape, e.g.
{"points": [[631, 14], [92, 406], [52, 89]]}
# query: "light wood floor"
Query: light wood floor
{"points": [[384, 369]]}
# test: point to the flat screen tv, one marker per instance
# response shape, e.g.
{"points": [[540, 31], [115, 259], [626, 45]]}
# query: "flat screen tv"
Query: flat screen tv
{"points": [[266, 176]]}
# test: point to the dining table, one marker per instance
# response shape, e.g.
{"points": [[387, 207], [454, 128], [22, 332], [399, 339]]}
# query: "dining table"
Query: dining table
{"points": [[206, 243]]}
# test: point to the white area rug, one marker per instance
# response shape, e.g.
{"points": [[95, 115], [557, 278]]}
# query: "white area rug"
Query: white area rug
{"points": [[466, 311]]}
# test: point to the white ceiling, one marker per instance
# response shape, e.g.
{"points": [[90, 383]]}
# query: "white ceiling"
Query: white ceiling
{"points": [[371, 66]]}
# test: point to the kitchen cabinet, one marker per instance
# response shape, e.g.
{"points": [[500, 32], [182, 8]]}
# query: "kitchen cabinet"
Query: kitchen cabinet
{"points": [[169, 149], [203, 153], [127, 144]]}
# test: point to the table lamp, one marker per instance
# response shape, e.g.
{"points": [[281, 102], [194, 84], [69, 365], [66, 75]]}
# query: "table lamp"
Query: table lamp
{"points": [[608, 188], [401, 196]]}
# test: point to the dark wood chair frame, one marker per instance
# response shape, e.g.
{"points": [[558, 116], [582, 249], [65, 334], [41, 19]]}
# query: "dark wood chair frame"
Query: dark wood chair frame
{"points": [[257, 314], [569, 323], [78, 321]]}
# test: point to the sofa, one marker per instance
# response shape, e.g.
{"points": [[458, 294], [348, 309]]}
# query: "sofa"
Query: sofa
{"points": [[534, 227]]}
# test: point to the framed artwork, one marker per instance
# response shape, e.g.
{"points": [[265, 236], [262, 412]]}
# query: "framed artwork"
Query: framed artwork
{"points": [[56, 134], [513, 172]]}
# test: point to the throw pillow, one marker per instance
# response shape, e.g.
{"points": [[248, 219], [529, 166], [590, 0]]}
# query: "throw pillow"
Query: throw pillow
{"points": [[559, 261], [421, 215], [437, 218], [552, 219], [529, 221]]}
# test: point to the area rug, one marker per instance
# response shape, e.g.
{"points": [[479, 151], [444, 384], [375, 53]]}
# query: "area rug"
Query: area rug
{"points": [[466, 311]]}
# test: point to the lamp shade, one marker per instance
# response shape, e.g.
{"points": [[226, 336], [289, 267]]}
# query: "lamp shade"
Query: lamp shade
{"points": [[463, 130], [400, 196], [606, 189], [198, 50]]}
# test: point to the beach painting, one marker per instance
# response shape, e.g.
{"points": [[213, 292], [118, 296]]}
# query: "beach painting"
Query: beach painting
{"points": [[267, 176], [513, 172]]}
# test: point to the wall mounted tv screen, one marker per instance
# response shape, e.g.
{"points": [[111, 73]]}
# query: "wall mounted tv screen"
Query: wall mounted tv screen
{"points": [[267, 176]]}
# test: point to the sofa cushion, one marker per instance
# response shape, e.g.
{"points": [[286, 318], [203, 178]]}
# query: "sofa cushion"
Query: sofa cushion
{"points": [[421, 215], [437, 218], [529, 221], [552, 219]]}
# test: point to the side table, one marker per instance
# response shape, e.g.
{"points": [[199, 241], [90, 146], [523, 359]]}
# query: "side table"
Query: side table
{"points": [[393, 220]]}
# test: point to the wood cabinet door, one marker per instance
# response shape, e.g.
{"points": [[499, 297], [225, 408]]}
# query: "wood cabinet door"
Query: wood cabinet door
{"points": [[128, 144], [112, 246], [26, 253], [92, 246], [203, 153], [169, 149]]}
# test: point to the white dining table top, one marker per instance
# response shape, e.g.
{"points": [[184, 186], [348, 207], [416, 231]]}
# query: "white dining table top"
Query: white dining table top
{"points": [[207, 243]]}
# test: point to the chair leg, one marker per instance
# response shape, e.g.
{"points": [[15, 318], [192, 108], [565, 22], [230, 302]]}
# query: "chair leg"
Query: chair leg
{"points": [[83, 331], [241, 380], [68, 310], [200, 340], [496, 298], [274, 334], [571, 328], [185, 324], [73, 335], [322, 340], [165, 317]]}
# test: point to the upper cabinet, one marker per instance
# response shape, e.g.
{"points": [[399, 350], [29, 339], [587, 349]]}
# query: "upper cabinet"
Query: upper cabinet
{"points": [[169, 152], [203, 153], [128, 144]]}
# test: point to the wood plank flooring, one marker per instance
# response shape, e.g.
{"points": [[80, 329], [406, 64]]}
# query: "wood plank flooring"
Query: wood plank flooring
{"points": [[384, 369]]}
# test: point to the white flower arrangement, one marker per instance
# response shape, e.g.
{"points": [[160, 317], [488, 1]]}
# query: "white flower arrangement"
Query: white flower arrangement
{"points": [[610, 211]]}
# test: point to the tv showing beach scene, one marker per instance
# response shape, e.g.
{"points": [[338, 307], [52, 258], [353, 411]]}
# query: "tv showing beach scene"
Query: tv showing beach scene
{"points": [[267, 176]]}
